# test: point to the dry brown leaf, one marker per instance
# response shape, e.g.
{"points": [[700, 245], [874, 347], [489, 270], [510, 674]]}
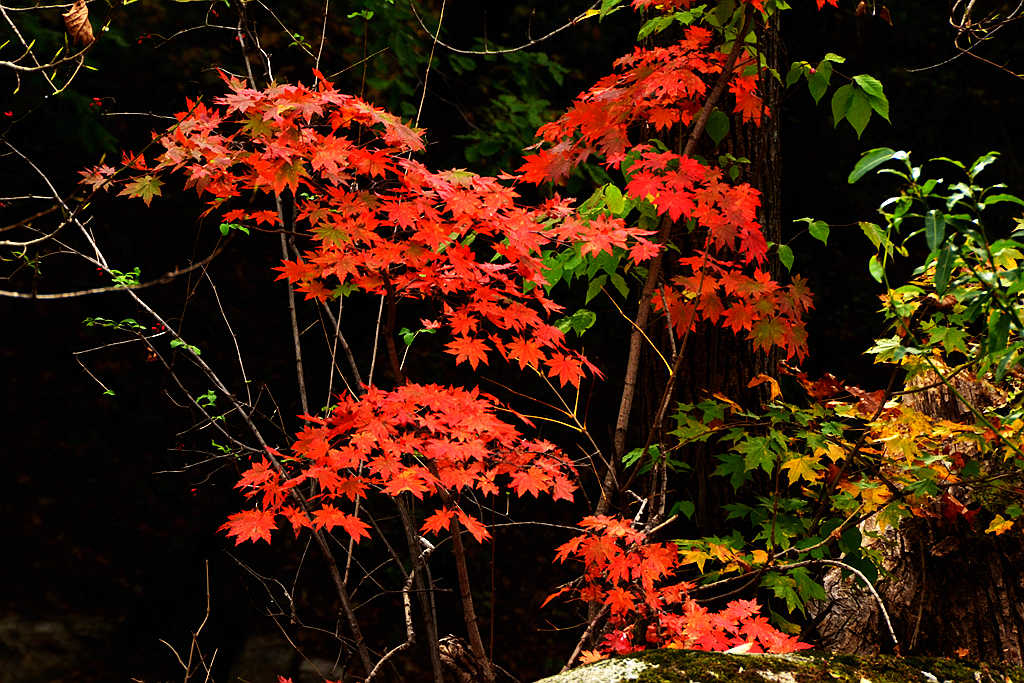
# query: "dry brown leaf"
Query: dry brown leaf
{"points": [[76, 21]]}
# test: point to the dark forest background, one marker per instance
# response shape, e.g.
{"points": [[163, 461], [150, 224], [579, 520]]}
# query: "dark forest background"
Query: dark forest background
{"points": [[108, 538]]}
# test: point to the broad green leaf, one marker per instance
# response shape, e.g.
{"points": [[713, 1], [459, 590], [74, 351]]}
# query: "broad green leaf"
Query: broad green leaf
{"points": [[620, 284], [871, 159], [817, 83], [859, 112], [999, 198], [686, 507], [876, 96], [873, 233], [808, 588], [850, 540], [786, 256], [795, 72], [934, 229], [841, 102], [655, 25], [949, 161], [998, 331], [608, 6], [613, 199], [595, 286], [819, 230], [784, 587], [757, 454], [717, 126], [876, 268], [982, 161]]}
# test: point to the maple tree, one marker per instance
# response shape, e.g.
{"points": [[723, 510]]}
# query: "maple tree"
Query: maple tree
{"points": [[488, 264], [384, 224]]}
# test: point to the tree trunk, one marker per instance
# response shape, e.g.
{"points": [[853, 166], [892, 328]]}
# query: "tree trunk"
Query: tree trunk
{"points": [[950, 589], [719, 361]]}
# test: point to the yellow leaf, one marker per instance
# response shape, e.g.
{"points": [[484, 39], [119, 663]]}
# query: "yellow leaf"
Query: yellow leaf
{"points": [[760, 556], [802, 468], [874, 497], [698, 557], [722, 553], [999, 526], [833, 452]]}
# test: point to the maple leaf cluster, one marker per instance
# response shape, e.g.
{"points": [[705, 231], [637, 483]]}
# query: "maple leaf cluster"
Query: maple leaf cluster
{"points": [[425, 439], [660, 86], [635, 579], [385, 224], [663, 87], [720, 293]]}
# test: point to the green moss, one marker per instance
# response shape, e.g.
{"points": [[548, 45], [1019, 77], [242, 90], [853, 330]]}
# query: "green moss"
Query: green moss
{"points": [[689, 666]]}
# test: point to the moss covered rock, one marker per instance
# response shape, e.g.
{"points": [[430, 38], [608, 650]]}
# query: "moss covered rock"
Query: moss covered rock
{"points": [[689, 666]]}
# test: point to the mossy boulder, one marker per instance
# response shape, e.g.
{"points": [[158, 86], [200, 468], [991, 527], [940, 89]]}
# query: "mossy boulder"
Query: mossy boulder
{"points": [[689, 666]]}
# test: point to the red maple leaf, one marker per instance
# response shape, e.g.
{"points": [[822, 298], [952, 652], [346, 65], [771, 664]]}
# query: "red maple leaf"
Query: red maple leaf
{"points": [[566, 369], [534, 480], [526, 352], [739, 316], [620, 600], [328, 517], [250, 525], [438, 521], [474, 527], [468, 349]]}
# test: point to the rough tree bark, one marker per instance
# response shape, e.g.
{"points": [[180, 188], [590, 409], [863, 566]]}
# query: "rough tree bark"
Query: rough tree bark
{"points": [[949, 588]]}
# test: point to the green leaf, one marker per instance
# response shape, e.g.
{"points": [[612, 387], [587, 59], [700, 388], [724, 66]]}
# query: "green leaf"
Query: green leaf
{"points": [[979, 165], [871, 159], [934, 229], [784, 587], [613, 199], [999, 198], [786, 256], [655, 25], [943, 268], [579, 322], [873, 233], [876, 268], [620, 284], [859, 112], [850, 540], [757, 454], [685, 507], [951, 338], [795, 72], [819, 230], [595, 286], [808, 588], [717, 126], [869, 84], [841, 101], [998, 331], [607, 7], [817, 83]]}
